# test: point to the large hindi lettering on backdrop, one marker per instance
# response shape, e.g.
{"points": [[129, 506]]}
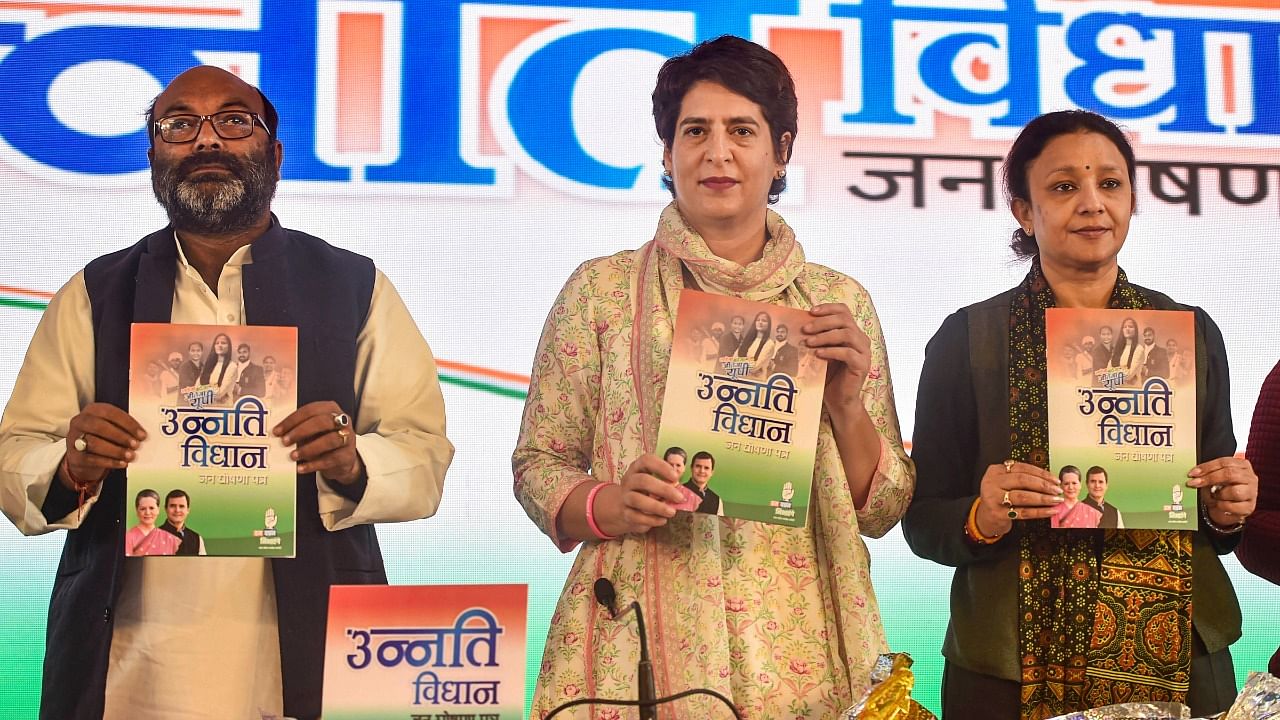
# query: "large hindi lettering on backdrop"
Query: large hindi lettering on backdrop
{"points": [[494, 84]]}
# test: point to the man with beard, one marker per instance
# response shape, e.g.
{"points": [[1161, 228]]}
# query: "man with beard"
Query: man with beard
{"points": [[786, 358], [1084, 358], [241, 637], [170, 382], [1157, 364], [189, 371], [251, 379]]}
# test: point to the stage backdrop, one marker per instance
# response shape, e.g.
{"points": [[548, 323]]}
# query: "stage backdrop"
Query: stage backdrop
{"points": [[479, 151]]}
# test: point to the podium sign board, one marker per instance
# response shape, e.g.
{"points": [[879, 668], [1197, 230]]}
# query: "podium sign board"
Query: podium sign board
{"points": [[425, 652]]}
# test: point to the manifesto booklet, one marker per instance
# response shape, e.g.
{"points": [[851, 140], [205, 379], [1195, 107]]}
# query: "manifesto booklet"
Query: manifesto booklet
{"points": [[743, 401], [1122, 416], [425, 652], [211, 479]]}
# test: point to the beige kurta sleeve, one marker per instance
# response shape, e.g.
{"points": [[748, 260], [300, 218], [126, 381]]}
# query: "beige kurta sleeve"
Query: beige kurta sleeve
{"points": [[55, 382], [895, 477], [400, 433], [553, 453]]}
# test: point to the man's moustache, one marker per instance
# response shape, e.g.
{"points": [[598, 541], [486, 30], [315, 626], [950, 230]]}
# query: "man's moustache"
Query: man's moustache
{"points": [[226, 160]]}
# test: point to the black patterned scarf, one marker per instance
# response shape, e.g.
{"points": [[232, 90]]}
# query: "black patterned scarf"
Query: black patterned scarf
{"points": [[1104, 616]]}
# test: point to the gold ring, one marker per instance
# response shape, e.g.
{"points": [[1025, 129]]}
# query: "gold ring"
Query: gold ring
{"points": [[343, 433], [1013, 513], [1213, 491], [1008, 466], [1006, 501]]}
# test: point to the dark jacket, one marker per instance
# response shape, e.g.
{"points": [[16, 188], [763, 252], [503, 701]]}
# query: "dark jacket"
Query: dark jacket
{"points": [[190, 539], [710, 502], [189, 373], [253, 381], [1110, 514], [729, 344], [1102, 356], [787, 360], [294, 279], [1157, 362], [962, 427]]}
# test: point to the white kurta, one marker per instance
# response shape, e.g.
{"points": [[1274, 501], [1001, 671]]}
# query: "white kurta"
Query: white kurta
{"points": [[198, 637]]}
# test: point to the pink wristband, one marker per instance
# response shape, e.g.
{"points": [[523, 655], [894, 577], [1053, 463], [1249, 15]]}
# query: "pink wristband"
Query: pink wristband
{"points": [[591, 513]]}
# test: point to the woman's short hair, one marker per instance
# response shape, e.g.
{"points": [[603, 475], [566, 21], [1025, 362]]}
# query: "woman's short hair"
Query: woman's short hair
{"points": [[1069, 470], [743, 67], [146, 493], [1031, 142]]}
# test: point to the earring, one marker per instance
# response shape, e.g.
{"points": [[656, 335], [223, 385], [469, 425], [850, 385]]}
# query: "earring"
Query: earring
{"points": [[781, 174]]}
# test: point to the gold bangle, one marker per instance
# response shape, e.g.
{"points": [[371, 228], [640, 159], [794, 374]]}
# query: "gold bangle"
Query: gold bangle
{"points": [[971, 529]]}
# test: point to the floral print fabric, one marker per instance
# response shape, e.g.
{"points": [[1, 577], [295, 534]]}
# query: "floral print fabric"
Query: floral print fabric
{"points": [[782, 621]]}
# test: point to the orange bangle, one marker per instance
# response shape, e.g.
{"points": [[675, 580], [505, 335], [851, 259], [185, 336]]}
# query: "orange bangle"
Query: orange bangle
{"points": [[971, 527]]}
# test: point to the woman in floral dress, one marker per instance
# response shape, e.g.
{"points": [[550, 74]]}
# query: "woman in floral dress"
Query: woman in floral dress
{"points": [[781, 620]]}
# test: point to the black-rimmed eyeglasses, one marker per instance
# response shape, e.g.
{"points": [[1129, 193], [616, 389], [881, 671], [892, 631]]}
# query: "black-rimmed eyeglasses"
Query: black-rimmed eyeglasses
{"points": [[228, 124]]}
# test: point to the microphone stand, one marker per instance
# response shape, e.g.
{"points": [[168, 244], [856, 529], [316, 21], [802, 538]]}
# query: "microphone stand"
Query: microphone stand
{"points": [[636, 703], [648, 704], [644, 671]]}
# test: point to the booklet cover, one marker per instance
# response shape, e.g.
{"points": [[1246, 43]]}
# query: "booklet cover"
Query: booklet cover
{"points": [[211, 479], [744, 401], [1122, 413], [425, 652]]}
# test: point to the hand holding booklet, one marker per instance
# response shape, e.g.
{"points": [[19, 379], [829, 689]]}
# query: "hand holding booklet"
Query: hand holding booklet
{"points": [[743, 401], [211, 479], [1122, 416]]}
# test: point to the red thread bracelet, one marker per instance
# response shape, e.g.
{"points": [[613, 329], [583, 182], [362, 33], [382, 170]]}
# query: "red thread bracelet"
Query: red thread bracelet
{"points": [[82, 488], [591, 514]]}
